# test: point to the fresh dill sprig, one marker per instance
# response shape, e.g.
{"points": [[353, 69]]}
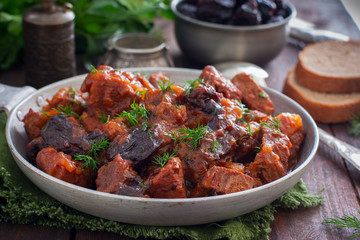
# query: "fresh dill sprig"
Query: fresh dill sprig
{"points": [[134, 114], [346, 222], [165, 85], [90, 158], [355, 126], [257, 149], [142, 185], [274, 124], [67, 111], [94, 70], [104, 119], [45, 113], [215, 146], [192, 137], [162, 160], [262, 95], [192, 84]]}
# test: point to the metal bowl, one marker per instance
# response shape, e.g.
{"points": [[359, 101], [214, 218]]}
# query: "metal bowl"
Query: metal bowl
{"points": [[154, 211], [210, 43]]}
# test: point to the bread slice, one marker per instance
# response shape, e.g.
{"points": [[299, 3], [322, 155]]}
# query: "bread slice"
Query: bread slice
{"points": [[323, 107], [330, 67]]}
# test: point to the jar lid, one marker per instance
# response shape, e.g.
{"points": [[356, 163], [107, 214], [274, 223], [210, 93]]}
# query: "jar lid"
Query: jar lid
{"points": [[136, 43]]}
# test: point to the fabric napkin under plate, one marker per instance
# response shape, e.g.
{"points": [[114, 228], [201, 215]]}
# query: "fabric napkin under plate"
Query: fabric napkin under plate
{"points": [[22, 202]]}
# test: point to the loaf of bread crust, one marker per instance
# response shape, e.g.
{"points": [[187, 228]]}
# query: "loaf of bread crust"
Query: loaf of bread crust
{"points": [[330, 67], [323, 107]]}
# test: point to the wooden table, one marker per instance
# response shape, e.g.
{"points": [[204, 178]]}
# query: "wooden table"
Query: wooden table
{"points": [[340, 180]]}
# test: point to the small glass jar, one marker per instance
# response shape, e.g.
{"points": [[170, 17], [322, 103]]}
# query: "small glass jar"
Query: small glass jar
{"points": [[137, 50]]}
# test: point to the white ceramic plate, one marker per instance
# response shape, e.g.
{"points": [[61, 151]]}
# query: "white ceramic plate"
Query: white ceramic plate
{"points": [[160, 212]]}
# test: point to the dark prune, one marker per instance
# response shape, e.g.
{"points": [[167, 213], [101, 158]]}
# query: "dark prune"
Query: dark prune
{"points": [[215, 11], [267, 9], [280, 4], [187, 9], [247, 14]]}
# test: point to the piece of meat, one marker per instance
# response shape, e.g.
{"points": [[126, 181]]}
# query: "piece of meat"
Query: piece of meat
{"points": [[220, 180], [169, 182], [33, 123], [159, 76], [66, 97], [252, 95], [118, 177], [62, 166], [196, 163], [271, 162], [221, 84], [291, 125], [65, 135]]}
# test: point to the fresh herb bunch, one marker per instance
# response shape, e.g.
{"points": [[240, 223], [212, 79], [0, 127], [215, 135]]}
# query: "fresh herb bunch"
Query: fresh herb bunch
{"points": [[95, 22], [134, 114], [346, 222], [355, 126], [90, 159]]}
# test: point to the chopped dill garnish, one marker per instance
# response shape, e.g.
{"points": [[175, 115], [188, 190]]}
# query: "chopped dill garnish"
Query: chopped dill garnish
{"points": [[104, 119], [165, 85], [94, 70], [274, 124], [45, 113], [142, 185], [67, 111], [346, 222], [257, 149], [162, 160], [134, 114], [192, 84], [177, 106], [262, 95], [215, 146], [90, 158], [191, 137]]}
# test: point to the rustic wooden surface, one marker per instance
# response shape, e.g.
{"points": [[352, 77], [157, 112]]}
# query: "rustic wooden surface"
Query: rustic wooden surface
{"points": [[340, 180]]}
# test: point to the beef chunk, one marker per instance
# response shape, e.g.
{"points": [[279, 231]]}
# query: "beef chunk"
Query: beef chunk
{"points": [[221, 84], [291, 125], [196, 162], [62, 166], [156, 77], [169, 182], [33, 122], [272, 161], [220, 180], [118, 177], [111, 91], [65, 135], [253, 96], [67, 97]]}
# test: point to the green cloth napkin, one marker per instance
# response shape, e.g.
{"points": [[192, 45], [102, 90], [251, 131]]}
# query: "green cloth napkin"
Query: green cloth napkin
{"points": [[22, 202]]}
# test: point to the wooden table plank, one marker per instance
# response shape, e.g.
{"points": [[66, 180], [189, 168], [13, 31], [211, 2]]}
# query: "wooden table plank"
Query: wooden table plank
{"points": [[30, 232]]}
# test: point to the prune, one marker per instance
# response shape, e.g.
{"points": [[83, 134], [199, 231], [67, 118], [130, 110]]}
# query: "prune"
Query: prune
{"points": [[247, 14], [215, 11], [280, 4], [267, 9], [187, 9]]}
